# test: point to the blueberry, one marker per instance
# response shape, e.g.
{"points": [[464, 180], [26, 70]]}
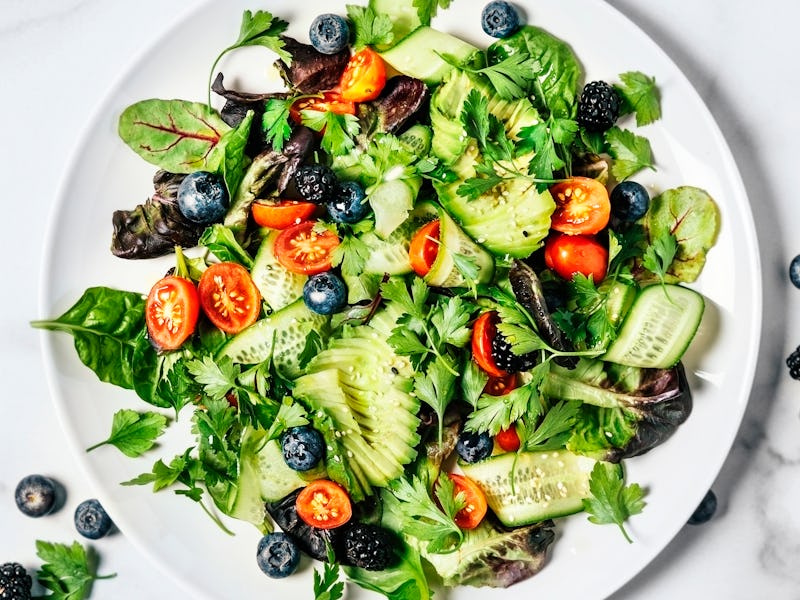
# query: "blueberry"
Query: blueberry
{"points": [[203, 198], [472, 446], [303, 447], [794, 271], [325, 293], [629, 201], [329, 33], [277, 555], [348, 204], [706, 509], [91, 520], [36, 495], [499, 19]]}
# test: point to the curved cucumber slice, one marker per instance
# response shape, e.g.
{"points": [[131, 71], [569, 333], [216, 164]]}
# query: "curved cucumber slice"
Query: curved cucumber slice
{"points": [[278, 286], [392, 201], [391, 255], [457, 245], [280, 336], [659, 327], [545, 485]]}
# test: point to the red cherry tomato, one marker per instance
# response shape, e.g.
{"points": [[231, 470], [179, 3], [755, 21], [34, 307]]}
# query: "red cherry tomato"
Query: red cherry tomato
{"points": [[483, 331], [305, 248], [508, 439], [280, 214], [324, 504], [473, 513], [570, 254], [171, 312], [229, 297], [582, 206], [500, 386], [424, 247], [327, 102], [364, 76]]}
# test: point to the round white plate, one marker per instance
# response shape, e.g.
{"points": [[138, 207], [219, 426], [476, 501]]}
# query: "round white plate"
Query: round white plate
{"points": [[587, 561]]}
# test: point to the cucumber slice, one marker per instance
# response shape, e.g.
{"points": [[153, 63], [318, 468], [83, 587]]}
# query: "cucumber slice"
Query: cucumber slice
{"points": [[453, 242], [545, 485], [392, 202], [402, 13], [391, 255], [280, 336], [278, 287], [659, 327], [417, 139], [419, 54]]}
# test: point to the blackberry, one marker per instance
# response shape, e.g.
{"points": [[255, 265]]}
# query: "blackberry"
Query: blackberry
{"points": [[507, 360], [15, 583], [598, 107], [315, 183], [370, 547], [793, 362]]}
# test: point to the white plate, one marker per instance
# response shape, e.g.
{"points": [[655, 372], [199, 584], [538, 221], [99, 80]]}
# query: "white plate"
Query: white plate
{"points": [[587, 561]]}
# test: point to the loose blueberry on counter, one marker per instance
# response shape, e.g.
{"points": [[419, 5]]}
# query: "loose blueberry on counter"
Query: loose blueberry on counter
{"points": [[302, 447], [91, 520], [203, 198], [499, 19], [794, 271], [315, 183], [325, 293], [36, 495], [629, 201], [349, 203], [15, 583], [706, 509], [329, 33], [277, 555], [598, 106], [473, 447]]}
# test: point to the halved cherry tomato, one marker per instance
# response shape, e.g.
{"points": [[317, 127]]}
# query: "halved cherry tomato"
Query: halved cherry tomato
{"points": [[364, 76], [472, 514], [424, 247], [280, 214], [500, 386], [324, 504], [305, 248], [508, 439], [570, 254], [582, 206], [327, 102], [483, 332], [171, 312], [229, 297]]}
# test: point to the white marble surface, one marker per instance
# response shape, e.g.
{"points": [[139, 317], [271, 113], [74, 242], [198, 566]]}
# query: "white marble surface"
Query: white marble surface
{"points": [[57, 57]]}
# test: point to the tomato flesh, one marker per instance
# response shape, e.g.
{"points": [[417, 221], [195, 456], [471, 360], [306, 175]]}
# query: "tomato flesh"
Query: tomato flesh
{"points": [[364, 77], [571, 254], [229, 297], [500, 386], [324, 504], [305, 248], [473, 513], [424, 248], [280, 214], [483, 332], [582, 206], [508, 439], [171, 312], [327, 102]]}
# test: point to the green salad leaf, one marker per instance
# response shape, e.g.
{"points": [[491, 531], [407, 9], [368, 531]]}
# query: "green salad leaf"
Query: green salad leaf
{"points": [[612, 502], [68, 570], [134, 433], [639, 95], [631, 152]]}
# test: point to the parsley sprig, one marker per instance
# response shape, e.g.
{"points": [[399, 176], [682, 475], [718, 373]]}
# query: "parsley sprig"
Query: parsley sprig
{"points": [[611, 501], [68, 570], [134, 433], [371, 28]]}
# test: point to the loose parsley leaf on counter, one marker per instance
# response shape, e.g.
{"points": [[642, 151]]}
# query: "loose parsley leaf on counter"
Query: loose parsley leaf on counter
{"points": [[134, 433], [611, 500], [68, 571]]}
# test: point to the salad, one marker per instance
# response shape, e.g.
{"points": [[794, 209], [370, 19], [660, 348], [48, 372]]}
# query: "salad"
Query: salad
{"points": [[432, 311]]}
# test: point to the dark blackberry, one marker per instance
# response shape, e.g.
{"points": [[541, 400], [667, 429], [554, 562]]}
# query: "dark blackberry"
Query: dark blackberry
{"points": [[793, 362], [370, 547], [598, 107], [315, 183], [507, 360], [15, 583]]}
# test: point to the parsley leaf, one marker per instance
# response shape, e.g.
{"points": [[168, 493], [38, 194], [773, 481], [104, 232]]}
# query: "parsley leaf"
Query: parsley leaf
{"points": [[494, 413], [435, 386], [337, 130], [351, 255], [68, 571], [640, 95], [512, 76], [134, 433], [631, 152], [427, 9], [217, 376], [611, 500], [658, 256], [290, 414], [553, 431], [371, 28], [275, 122], [473, 380], [327, 585]]}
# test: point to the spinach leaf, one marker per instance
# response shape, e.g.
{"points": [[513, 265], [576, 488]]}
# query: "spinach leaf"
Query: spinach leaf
{"points": [[221, 241], [176, 135], [230, 154], [105, 324]]}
